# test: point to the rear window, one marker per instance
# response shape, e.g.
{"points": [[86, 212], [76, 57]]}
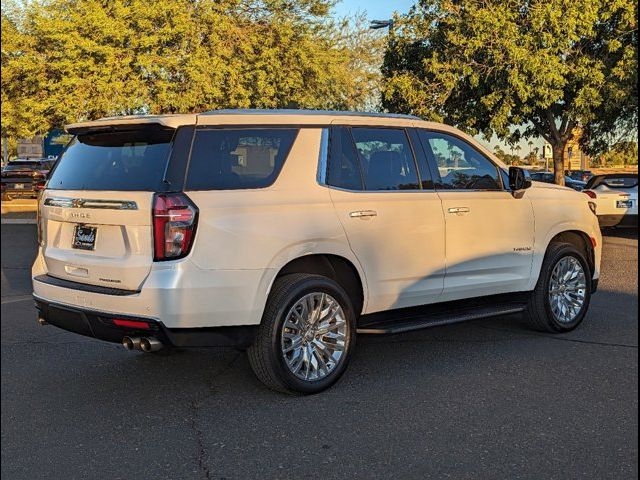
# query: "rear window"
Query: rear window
{"points": [[621, 182], [21, 166], [230, 159], [133, 159]]}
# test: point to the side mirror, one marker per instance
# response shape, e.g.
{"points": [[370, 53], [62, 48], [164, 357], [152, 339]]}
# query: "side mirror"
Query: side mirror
{"points": [[519, 179]]}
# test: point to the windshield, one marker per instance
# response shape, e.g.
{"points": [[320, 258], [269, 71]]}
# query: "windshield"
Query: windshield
{"points": [[114, 160]]}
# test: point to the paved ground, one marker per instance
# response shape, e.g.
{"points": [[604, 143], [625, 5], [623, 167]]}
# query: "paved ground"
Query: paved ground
{"points": [[488, 399]]}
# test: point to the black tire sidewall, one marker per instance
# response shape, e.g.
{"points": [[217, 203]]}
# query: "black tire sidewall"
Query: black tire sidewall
{"points": [[299, 290], [565, 251]]}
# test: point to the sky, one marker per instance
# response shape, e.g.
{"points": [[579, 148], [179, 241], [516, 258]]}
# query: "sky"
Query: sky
{"points": [[376, 9], [382, 10]]}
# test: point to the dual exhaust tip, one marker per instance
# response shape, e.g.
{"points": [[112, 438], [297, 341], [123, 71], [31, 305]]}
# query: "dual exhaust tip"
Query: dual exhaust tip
{"points": [[145, 344]]}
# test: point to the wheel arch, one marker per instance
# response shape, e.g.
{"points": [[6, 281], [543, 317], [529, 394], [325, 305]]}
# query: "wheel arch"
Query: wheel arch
{"points": [[340, 269]]}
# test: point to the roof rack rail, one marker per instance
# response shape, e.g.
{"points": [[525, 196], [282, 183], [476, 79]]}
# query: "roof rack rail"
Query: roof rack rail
{"points": [[258, 111]]}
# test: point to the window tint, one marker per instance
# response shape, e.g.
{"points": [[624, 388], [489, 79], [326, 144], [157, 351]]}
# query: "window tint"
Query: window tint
{"points": [[117, 160], [386, 158], [459, 165], [343, 168], [229, 159]]}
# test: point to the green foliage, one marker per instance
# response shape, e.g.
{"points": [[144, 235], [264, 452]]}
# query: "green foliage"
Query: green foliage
{"points": [[544, 66], [70, 60], [507, 158], [621, 154]]}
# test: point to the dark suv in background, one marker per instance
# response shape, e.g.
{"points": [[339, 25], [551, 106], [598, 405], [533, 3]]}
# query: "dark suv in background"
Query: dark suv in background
{"points": [[25, 178]]}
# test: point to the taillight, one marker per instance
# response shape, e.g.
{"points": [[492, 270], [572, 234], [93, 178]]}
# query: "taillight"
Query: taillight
{"points": [[591, 193], [174, 225]]}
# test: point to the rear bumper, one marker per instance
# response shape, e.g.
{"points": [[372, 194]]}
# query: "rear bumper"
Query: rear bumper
{"points": [[625, 220], [177, 294], [100, 325]]}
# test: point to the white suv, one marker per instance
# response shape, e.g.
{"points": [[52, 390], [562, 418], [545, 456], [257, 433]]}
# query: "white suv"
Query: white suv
{"points": [[286, 232]]}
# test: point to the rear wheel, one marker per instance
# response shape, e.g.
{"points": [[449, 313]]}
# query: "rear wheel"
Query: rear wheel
{"points": [[561, 298], [306, 337]]}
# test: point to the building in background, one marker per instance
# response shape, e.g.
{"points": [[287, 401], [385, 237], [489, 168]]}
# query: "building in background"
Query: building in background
{"points": [[574, 157], [30, 147]]}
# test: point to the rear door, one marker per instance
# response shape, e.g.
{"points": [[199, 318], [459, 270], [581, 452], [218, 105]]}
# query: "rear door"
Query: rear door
{"points": [[95, 215], [393, 221]]}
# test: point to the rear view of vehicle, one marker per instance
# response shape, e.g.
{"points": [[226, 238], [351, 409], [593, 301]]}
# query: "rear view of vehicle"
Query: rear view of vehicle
{"points": [[616, 197], [110, 212], [24, 178]]}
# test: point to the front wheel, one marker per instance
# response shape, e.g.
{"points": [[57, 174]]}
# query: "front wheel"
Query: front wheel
{"points": [[561, 298], [306, 336]]}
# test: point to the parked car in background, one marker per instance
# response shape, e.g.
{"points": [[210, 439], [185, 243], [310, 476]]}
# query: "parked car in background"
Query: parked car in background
{"points": [[25, 178], [616, 198], [580, 175], [549, 177], [286, 232]]}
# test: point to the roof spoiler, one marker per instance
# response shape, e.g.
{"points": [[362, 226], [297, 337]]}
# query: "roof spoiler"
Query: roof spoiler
{"points": [[133, 122]]}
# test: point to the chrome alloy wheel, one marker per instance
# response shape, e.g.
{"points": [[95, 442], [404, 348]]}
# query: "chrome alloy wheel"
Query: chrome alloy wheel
{"points": [[314, 336], [567, 289]]}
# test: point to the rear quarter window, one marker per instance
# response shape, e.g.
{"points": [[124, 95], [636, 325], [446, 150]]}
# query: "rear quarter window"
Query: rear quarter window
{"points": [[231, 159]]}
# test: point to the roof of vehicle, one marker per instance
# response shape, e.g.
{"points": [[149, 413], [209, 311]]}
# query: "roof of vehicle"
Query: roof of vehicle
{"points": [[274, 117], [247, 117]]}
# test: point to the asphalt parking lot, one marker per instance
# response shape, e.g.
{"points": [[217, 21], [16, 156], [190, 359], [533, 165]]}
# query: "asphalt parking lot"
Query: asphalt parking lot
{"points": [[488, 399]]}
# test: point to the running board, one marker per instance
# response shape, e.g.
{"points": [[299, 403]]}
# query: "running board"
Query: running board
{"points": [[407, 320]]}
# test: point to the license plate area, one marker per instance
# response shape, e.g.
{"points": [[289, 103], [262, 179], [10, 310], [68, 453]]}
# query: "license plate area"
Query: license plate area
{"points": [[84, 237], [624, 204]]}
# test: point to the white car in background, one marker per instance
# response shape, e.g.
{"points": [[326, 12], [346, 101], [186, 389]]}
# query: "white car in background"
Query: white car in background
{"points": [[616, 197]]}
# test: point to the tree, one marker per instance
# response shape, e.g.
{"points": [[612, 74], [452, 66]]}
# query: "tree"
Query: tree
{"points": [[519, 69], [621, 154], [72, 60]]}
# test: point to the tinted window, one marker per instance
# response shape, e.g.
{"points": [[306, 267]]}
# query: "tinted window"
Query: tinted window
{"points": [[620, 182], [228, 159], [343, 168], [120, 160], [459, 165], [386, 159], [21, 166]]}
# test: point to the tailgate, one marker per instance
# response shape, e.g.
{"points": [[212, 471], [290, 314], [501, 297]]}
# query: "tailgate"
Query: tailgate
{"points": [[100, 238]]}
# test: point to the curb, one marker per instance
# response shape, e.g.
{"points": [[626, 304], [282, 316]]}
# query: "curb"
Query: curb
{"points": [[18, 221]]}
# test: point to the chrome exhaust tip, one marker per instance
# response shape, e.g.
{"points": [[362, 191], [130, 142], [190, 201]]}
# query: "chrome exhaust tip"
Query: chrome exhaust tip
{"points": [[150, 344], [42, 321], [131, 343]]}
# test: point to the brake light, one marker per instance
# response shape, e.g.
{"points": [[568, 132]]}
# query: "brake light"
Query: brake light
{"points": [[174, 225], [591, 193]]}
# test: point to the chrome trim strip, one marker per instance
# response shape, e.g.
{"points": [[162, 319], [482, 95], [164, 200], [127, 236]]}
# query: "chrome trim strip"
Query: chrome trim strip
{"points": [[90, 203]]}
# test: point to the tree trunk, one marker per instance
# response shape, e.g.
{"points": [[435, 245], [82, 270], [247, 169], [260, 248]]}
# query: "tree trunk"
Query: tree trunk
{"points": [[5, 150], [558, 162]]}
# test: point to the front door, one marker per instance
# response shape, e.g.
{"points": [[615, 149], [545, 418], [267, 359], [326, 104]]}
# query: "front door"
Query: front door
{"points": [[489, 232]]}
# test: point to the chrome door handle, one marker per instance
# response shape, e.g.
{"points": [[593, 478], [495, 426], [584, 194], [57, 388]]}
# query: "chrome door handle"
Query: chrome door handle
{"points": [[459, 210], [363, 213]]}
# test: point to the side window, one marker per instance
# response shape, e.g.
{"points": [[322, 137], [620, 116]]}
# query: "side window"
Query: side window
{"points": [[229, 159], [343, 169], [459, 165], [386, 158]]}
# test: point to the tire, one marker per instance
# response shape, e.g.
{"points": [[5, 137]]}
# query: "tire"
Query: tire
{"points": [[289, 296], [539, 312]]}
